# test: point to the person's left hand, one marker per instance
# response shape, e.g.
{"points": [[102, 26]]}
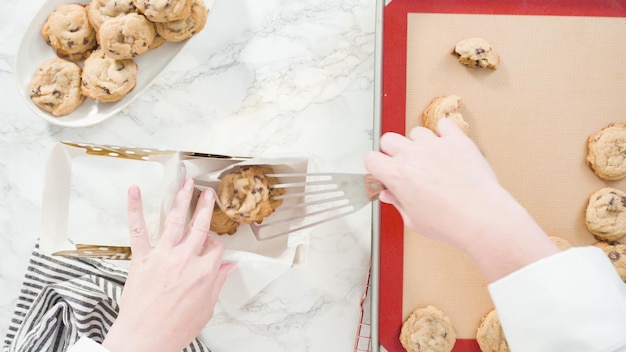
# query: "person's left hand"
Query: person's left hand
{"points": [[172, 288]]}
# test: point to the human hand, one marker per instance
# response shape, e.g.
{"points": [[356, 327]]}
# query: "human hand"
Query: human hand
{"points": [[172, 288], [445, 189]]}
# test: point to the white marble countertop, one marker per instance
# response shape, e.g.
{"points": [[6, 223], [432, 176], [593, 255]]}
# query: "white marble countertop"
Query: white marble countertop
{"points": [[262, 77]]}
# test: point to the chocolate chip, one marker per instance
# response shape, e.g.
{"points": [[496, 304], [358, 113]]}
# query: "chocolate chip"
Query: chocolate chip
{"points": [[614, 255], [624, 201], [611, 201], [70, 43], [85, 41], [56, 93], [120, 66], [106, 90], [479, 51], [74, 30]]}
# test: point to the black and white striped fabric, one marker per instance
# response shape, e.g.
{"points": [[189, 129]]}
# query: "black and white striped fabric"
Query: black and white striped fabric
{"points": [[63, 299]]}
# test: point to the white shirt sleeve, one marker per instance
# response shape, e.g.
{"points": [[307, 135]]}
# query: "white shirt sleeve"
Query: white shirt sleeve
{"points": [[572, 301], [85, 344]]}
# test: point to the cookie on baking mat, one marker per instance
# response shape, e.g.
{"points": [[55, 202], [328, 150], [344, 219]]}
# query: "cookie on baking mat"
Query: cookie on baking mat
{"points": [[489, 334], [616, 252], [444, 107], [164, 10], [176, 31], [106, 79], [476, 53], [246, 193], [126, 36], [561, 242], [68, 31], [606, 152], [55, 86], [427, 329], [605, 216]]}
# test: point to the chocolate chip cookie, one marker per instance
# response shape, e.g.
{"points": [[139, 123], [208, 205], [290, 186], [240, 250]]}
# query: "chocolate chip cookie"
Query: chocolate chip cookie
{"points": [[68, 31], [176, 31], [222, 224], [427, 329], [561, 242], [606, 152], [476, 53], [444, 107], [617, 254], [106, 79], [55, 86], [489, 334], [605, 216], [99, 11], [126, 36], [164, 10], [247, 194]]}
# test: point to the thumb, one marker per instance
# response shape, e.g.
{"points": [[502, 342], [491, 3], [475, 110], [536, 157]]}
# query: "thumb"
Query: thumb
{"points": [[388, 197]]}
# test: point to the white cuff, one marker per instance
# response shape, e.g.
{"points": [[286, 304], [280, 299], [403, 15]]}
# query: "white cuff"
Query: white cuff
{"points": [[571, 301]]}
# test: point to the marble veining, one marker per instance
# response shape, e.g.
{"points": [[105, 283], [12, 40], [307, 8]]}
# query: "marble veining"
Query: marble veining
{"points": [[263, 78]]}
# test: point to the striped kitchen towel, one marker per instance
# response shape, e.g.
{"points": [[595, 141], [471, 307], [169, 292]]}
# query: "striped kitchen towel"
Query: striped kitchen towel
{"points": [[62, 299]]}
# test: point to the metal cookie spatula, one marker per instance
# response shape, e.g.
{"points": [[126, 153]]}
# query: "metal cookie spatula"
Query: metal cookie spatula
{"points": [[315, 198]]}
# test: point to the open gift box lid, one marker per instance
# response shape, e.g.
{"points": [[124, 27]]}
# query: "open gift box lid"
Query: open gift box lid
{"points": [[84, 207]]}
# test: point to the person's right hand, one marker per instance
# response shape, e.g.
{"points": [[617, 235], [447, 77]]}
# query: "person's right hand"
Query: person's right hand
{"points": [[445, 189]]}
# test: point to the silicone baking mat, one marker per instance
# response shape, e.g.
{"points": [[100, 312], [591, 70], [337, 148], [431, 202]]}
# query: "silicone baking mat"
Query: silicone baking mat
{"points": [[560, 79]]}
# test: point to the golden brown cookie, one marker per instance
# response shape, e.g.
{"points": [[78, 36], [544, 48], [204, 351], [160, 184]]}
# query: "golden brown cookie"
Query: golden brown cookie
{"points": [[606, 152], [616, 252], [605, 216], [106, 79], [157, 42], [246, 193], [55, 86], [176, 31], [562, 243], [444, 107], [126, 36], [164, 10], [476, 53], [99, 11], [68, 31], [427, 329], [222, 224], [489, 334]]}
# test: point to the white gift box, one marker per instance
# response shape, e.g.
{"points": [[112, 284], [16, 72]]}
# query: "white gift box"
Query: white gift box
{"points": [[85, 202]]}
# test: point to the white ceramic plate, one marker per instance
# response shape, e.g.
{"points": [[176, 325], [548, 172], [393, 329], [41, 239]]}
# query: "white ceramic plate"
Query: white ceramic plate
{"points": [[33, 51]]}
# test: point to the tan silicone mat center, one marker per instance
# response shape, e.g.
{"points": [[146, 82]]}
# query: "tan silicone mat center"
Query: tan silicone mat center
{"points": [[560, 79]]}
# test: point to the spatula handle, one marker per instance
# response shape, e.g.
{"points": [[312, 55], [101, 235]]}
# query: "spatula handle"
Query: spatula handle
{"points": [[372, 186]]}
